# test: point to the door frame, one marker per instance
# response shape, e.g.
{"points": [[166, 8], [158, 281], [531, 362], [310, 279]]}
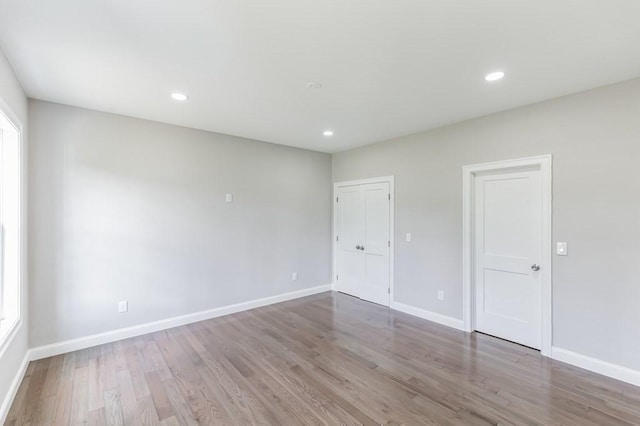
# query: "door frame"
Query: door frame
{"points": [[469, 173], [382, 179]]}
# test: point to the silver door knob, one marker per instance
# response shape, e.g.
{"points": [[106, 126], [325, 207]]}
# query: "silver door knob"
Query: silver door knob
{"points": [[357, 247], [361, 247], [535, 267]]}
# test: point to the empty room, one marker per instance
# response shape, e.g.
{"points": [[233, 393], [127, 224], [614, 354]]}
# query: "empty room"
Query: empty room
{"points": [[330, 212]]}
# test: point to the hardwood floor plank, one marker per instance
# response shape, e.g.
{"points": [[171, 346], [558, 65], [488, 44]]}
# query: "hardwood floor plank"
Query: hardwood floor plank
{"points": [[113, 408], [181, 363], [108, 367], [34, 393], [338, 399], [80, 401], [45, 412], [214, 379], [171, 421], [209, 403], [154, 360], [180, 406], [161, 402], [97, 417], [148, 414], [326, 359], [128, 401], [62, 415], [309, 398], [95, 391], [52, 383], [138, 380]]}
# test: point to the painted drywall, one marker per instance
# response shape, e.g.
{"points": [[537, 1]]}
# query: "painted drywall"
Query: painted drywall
{"points": [[128, 209], [594, 138], [13, 99]]}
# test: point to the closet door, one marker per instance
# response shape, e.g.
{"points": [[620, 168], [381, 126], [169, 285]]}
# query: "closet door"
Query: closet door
{"points": [[363, 246]]}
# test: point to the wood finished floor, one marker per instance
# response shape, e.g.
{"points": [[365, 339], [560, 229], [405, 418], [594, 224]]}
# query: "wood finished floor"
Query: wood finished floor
{"points": [[326, 359]]}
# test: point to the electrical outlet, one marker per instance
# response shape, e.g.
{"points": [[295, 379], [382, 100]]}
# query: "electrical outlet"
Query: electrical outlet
{"points": [[294, 276], [440, 295], [123, 306], [408, 237]]}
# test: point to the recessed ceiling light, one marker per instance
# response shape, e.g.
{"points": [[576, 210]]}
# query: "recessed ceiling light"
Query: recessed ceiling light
{"points": [[494, 76], [177, 96], [328, 133], [314, 85]]}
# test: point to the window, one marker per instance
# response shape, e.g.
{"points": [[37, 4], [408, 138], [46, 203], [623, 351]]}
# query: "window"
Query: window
{"points": [[10, 234]]}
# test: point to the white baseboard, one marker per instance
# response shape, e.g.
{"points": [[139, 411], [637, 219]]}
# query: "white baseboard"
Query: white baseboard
{"points": [[428, 315], [137, 330], [605, 368], [13, 389]]}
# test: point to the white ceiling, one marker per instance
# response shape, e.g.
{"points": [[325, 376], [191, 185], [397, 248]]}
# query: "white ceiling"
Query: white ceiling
{"points": [[387, 67]]}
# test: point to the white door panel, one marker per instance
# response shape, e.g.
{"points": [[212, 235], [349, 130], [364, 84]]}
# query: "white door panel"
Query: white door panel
{"points": [[363, 253], [376, 208], [507, 214], [352, 228], [503, 291], [508, 241], [351, 272], [376, 243]]}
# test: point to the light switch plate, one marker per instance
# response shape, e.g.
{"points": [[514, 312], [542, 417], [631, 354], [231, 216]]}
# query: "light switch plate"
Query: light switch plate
{"points": [[561, 249], [408, 237], [229, 198]]}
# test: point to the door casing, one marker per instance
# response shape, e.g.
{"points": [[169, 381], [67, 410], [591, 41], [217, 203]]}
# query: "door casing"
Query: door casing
{"points": [[469, 173], [336, 186]]}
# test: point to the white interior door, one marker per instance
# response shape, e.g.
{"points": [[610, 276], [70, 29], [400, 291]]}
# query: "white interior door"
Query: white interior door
{"points": [[508, 253], [363, 246]]}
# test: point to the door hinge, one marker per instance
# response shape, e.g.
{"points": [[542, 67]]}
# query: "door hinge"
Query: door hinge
{"points": [[337, 238], [336, 278], [389, 196], [336, 199], [389, 290], [388, 243]]}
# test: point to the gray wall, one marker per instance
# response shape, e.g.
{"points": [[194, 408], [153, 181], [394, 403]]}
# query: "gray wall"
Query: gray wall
{"points": [[123, 208], [14, 99], [595, 141]]}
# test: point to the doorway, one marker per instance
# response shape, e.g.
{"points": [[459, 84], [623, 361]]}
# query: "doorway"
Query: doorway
{"points": [[507, 250], [363, 224]]}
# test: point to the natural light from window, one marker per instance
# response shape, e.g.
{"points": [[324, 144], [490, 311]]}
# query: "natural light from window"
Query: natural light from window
{"points": [[9, 227]]}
